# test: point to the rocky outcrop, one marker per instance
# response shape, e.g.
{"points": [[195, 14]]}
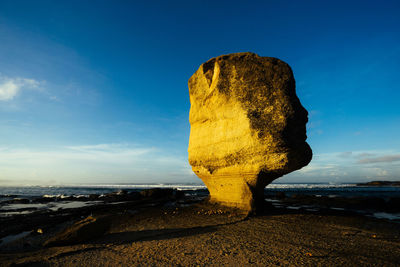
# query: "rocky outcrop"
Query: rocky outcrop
{"points": [[248, 127], [81, 231]]}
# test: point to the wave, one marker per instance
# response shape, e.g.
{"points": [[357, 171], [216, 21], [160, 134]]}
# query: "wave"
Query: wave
{"points": [[139, 186], [307, 186]]}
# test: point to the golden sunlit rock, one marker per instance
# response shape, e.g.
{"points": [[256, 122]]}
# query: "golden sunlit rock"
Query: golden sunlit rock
{"points": [[248, 127]]}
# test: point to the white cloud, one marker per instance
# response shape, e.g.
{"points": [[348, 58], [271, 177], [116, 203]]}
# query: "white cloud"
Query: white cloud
{"points": [[381, 159], [8, 90], [111, 149], [111, 163], [10, 87], [349, 166], [315, 167], [54, 98], [29, 82], [346, 154], [381, 172]]}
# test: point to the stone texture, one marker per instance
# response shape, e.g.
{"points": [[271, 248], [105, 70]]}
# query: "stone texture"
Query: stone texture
{"points": [[248, 127], [81, 231]]}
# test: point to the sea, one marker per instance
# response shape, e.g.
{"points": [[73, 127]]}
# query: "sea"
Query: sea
{"points": [[84, 190], [9, 195]]}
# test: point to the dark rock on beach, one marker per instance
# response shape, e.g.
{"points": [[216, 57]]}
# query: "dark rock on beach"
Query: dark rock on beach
{"points": [[363, 204], [380, 183], [121, 195], [17, 201], [81, 231], [114, 203], [161, 192]]}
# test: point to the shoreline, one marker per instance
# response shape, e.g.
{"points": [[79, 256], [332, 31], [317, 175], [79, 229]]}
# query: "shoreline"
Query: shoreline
{"points": [[181, 230], [366, 203]]}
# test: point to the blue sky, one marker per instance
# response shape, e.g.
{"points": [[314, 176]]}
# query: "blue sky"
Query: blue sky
{"points": [[96, 91]]}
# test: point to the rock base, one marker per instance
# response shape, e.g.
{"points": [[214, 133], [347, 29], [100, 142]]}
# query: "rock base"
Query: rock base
{"points": [[246, 193]]}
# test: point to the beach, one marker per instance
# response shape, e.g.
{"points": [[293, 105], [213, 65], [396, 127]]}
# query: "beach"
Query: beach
{"points": [[166, 229]]}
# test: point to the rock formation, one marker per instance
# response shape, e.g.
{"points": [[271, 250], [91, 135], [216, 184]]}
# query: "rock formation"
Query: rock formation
{"points": [[248, 127], [81, 231]]}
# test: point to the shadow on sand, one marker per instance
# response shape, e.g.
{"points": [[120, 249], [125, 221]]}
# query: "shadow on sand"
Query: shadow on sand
{"points": [[149, 235]]}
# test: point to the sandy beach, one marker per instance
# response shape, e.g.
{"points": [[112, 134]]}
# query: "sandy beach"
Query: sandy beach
{"points": [[201, 235]]}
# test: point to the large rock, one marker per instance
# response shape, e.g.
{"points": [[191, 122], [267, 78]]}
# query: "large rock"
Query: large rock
{"points": [[248, 127]]}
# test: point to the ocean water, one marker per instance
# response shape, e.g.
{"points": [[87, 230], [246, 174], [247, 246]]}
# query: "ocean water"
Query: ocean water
{"points": [[20, 200], [77, 190], [63, 194], [340, 190]]}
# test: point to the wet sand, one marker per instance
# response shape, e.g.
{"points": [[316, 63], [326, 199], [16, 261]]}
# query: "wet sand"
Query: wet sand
{"points": [[200, 236]]}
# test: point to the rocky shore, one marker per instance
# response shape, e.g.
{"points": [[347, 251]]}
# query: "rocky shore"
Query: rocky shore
{"points": [[167, 227], [380, 183], [60, 210]]}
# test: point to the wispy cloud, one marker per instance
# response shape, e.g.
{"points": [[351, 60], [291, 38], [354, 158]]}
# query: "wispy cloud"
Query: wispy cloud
{"points": [[11, 87], [315, 167], [94, 163], [382, 159], [349, 166], [346, 154], [365, 155], [111, 149]]}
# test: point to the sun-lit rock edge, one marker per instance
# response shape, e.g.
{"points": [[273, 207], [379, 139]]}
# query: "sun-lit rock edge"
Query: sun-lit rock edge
{"points": [[247, 126]]}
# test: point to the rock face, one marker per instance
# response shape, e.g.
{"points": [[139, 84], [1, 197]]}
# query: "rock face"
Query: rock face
{"points": [[248, 127]]}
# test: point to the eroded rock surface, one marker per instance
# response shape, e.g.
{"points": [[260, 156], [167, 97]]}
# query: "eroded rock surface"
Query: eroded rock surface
{"points": [[81, 231], [248, 127]]}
